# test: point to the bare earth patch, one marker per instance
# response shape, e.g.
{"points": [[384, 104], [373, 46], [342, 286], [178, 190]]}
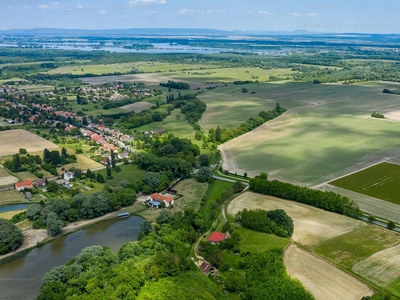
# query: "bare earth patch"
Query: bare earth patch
{"points": [[322, 279], [312, 226], [380, 268], [13, 140], [5, 178], [393, 115]]}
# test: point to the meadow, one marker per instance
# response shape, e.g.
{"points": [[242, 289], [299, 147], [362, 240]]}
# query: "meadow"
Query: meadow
{"points": [[327, 131], [129, 172], [346, 242], [380, 181]]}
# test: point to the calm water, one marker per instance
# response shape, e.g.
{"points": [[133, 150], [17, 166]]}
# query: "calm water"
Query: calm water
{"points": [[13, 207], [21, 278]]}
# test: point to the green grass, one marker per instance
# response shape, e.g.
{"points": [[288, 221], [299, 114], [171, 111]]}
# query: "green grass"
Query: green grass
{"points": [[188, 285], [129, 172], [254, 241], [348, 249], [11, 196], [90, 109], [380, 181], [327, 132], [35, 87], [216, 192], [228, 75]]}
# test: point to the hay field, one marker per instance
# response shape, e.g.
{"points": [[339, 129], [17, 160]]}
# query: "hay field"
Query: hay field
{"points": [[137, 107], [312, 226], [380, 181], [323, 136], [5, 178], [13, 140], [322, 279], [11, 196], [382, 268], [83, 162], [148, 79]]}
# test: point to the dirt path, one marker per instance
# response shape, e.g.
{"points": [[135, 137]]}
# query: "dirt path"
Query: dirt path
{"points": [[322, 279]]}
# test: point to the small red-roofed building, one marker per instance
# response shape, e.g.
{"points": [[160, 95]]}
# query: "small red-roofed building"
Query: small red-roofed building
{"points": [[27, 184], [217, 237], [168, 200]]}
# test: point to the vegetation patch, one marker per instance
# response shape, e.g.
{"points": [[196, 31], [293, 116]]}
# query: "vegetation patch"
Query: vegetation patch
{"points": [[354, 246], [379, 181]]}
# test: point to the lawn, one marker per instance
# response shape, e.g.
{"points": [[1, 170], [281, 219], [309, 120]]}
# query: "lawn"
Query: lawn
{"points": [[380, 181], [349, 248], [254, 241], [130, 173], [327, 132]]}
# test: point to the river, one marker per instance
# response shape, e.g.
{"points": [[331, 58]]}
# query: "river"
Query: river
{"points": [[13, 207], [21, 278]]}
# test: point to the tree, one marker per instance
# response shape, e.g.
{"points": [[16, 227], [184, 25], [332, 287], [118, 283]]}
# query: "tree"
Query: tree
{"points": [[146, 227], [112, 159], [54, 225], [108, 170], [89, 174], [244, 90], [391, 225], [22, 151], [164, 217], [238, 186], [203, 174], [10, 237], [204, 160], [218, 134], [100, 178], [52, 187]]}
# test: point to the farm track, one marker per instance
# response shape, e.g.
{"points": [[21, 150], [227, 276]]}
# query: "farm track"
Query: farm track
{"points": [[371, 205]]}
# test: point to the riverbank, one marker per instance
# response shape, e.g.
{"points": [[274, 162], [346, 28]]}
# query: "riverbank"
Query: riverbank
{"points": [[35, 237]]}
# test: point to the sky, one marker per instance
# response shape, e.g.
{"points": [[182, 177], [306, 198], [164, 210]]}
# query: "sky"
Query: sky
{"points": [[247, 15]]}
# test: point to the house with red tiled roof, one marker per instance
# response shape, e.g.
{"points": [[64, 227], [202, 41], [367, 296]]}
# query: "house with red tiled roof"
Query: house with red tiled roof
{"points": [[217, 237], [27, 184], [167, 199]]}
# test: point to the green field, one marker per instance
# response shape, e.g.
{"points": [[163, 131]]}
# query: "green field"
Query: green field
{"points": [[380, 181], [326, 133], [348, 249], [227, 75], [254, 241], [130, 173]]}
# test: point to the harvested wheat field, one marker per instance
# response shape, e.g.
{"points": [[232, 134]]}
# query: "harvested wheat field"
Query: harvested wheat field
{"points": [[322, 279], [5, 178], [312, 226], [138, 106], [380, 268], [12, 140]]}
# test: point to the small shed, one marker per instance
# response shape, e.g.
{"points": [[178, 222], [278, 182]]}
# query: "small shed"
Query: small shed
{"points": [[123, 215], [207, 268]]}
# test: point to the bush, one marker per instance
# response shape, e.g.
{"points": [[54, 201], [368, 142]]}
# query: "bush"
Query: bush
{"points": [[10, 237]]}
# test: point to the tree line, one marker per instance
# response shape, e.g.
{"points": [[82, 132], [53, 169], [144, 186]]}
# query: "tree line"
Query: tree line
{"points": [[326, 200]]}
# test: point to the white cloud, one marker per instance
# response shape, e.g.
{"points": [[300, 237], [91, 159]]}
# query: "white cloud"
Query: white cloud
{"points": [[296, 15], [79, 6], [263, 12], [103, 12], [53, 5], [312, 15]]}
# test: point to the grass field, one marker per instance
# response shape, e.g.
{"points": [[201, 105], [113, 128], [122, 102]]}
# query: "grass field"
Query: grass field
{"points": [[382, 268], [6, 178], [83, 162], [326, 133], [130, 173], [93, 108], [36, 87], [228, 75], [176, 124], [137, 107], [254, 241], [380, 181], [11, 196], [312, 226], [322, 279], [192, 192], [9, 214], [354, 246], [13, 140]]}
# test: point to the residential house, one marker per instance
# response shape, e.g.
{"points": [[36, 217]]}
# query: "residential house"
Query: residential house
{"points": [[68, 176], [39, 183], [217, 237], [167, 199], [20, 186], [207, 268], [123, 155], [154, 204]]}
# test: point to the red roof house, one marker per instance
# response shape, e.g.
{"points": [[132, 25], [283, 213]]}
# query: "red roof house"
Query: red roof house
{"points": [[168, 200], [217, 237], [27, 184]]}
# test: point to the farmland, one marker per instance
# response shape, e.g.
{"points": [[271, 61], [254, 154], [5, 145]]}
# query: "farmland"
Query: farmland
{"points": [[5, 178], [350, 244], [326, 133], [322, 279], [379, 181], [138, 106], [13, 140]]}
